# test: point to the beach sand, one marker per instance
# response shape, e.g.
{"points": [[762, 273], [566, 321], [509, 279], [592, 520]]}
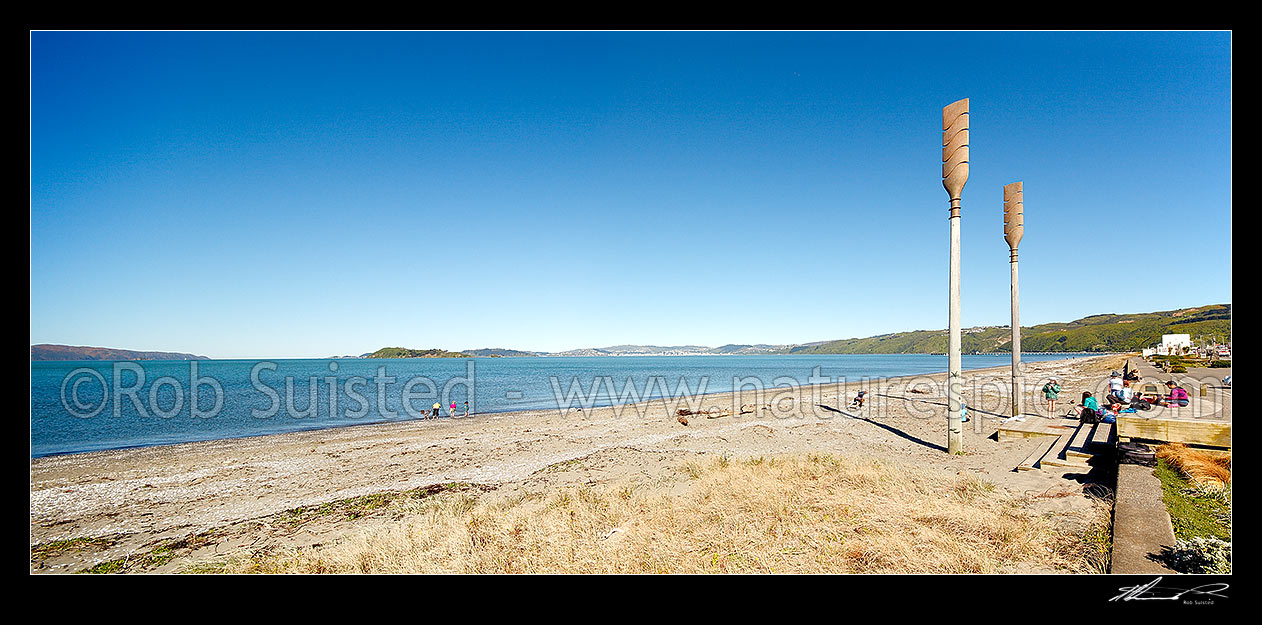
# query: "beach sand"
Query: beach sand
{"points": [[197, 502]]}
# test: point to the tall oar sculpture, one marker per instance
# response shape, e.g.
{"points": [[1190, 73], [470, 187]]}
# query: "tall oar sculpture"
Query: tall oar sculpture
{"points": [[954, 175], [1013, 228]]}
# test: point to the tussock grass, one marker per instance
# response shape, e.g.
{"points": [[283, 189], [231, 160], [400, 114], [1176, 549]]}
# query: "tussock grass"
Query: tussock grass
{"points": [[1207, 471], [765, 515]]}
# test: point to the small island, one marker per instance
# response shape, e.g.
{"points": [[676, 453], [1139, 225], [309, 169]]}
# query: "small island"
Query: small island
{"points": [[403, 352]]}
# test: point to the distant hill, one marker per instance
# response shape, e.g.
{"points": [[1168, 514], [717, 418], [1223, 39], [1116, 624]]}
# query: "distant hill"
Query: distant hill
{"points": [[751, 349], [640, 350], [498, 352], [46, 351], [403, 352], [1097, 333], [1127, 332]]}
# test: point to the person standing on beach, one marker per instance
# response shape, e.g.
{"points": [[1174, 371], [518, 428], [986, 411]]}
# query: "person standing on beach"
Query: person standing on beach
{"points": [[453, 410], [1050, 391], [466, 407], [436, 408]]}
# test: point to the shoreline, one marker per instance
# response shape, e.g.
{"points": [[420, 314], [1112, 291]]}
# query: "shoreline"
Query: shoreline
{"points": [[239, 491], [705, 395]]}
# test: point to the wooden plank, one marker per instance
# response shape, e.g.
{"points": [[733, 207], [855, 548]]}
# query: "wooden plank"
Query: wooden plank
{"points": [[1070, 462], [1033, 427], [1037, 452], [1080, 447], [1102, 436], [1212, 433], [1057, 456]]}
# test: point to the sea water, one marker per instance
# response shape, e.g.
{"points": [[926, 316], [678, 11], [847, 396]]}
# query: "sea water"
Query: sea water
{"points": [[79, 406]]}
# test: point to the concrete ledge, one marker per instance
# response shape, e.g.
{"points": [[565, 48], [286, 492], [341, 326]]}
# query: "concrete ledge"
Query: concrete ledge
{"points": [[1141, 523]]}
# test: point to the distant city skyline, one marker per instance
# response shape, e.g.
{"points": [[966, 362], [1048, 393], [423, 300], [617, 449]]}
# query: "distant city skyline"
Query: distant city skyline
{"points": [[306, 194]]}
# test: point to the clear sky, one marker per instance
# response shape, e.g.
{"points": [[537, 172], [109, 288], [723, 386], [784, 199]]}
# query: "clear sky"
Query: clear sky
{"points": [[312, 194]]}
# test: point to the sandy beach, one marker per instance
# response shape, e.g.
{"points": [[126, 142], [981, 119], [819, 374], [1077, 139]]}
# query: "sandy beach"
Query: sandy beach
{"points": [[202, 502]]}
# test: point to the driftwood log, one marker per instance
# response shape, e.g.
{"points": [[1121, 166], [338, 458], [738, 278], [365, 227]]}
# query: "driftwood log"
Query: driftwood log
{"points": [[713, 413]]}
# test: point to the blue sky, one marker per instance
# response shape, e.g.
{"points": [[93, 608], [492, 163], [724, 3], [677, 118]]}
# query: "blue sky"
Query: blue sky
{"points": [[310, 194]]}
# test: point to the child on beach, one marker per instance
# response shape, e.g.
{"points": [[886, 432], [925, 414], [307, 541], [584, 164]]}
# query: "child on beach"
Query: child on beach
{"points": [[466, 407], [453, 409], [858, 400], [1050, 391]]}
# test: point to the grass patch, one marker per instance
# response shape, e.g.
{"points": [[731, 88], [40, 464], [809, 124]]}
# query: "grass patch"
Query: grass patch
{"points": [[357, 507], [104, 568], [162, 553], [1194, 511], [561, 466], [814, 513], [61, 547]]}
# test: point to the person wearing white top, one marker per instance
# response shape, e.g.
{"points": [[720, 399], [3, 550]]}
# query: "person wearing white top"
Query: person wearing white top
{"points": [[1127, 394], [1124, 394]]}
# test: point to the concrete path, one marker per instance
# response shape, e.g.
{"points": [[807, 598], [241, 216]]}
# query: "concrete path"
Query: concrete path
{"points": [[1141, 523]]}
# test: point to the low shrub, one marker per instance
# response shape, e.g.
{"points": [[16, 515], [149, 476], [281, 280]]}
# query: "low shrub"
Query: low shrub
{"points": [[1201, 555]]}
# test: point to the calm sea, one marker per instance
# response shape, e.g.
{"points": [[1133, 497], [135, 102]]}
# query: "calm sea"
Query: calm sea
{"points": [[85, 406]]}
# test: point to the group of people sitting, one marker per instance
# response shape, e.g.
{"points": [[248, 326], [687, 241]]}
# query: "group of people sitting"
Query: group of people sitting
{"points": [[1120, 393], [1122, 398]]}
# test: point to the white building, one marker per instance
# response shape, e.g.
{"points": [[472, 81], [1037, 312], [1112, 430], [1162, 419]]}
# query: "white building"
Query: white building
{"points": [[1174, 343]]}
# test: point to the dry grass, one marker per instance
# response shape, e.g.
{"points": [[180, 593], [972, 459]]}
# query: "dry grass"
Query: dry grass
{"points": [[800, 514], [1113, 363], [1205, 470]]}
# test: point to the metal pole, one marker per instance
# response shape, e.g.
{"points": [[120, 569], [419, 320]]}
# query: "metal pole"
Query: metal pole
{"points": [[954, 175], [1013, 229]]}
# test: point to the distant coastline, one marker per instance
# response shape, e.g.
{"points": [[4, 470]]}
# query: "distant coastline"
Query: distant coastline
{"points": [[47, 351]]}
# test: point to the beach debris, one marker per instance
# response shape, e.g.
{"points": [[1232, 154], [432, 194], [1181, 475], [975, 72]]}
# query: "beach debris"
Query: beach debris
{"points": [[611, 532], [682, 419], [713, 413], [917, 391]]}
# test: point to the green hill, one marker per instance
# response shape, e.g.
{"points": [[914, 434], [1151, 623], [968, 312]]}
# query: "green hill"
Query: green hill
{"points": [[1097, 333], [403, 352]]}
